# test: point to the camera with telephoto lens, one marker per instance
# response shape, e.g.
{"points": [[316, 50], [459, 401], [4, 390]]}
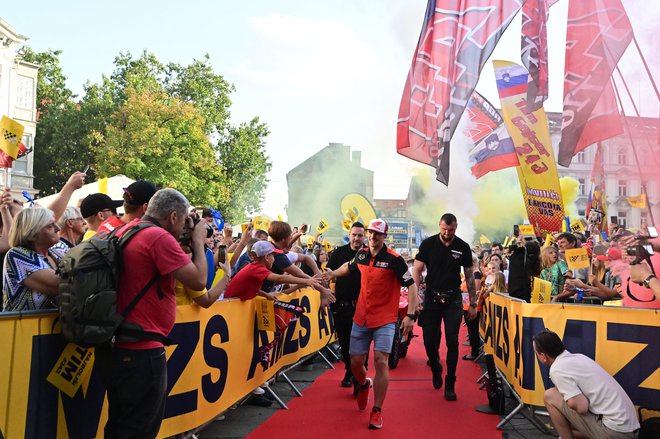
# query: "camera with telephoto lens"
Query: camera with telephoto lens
{"points": [[643, 250], [186, 234]]}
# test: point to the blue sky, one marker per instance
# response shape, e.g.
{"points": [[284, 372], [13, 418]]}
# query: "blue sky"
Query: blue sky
{"points": [[314, 71]]}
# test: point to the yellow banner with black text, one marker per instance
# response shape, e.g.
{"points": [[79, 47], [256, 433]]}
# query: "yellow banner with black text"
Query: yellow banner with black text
{"points": [[624, 341], [45, 392]]}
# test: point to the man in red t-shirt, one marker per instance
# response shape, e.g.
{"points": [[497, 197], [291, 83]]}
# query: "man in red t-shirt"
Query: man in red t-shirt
{"points": [[136, 371], [247, 282]]}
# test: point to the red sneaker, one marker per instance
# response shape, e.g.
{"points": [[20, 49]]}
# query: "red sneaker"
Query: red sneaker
{"points": [[363, 394], [376, 419]]}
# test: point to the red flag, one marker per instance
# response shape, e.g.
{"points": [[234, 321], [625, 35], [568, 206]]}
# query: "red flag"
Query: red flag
{"points": [[457, 38], [534, 50], [604, 122], [597, 34]]}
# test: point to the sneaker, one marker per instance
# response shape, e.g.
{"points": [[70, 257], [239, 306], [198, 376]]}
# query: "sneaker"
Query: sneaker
{"points": [[450, 393], [376, 419], [258, 391], [363, 394], [348, 380], [470, 357]]}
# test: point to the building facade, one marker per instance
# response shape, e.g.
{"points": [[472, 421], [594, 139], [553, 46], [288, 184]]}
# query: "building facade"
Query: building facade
{"points": [[18, 94], [629, 163], [317, 186]]}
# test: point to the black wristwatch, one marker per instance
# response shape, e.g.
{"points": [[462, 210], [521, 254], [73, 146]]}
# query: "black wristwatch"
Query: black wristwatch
{"points": [[412, 317], [647, 281]]}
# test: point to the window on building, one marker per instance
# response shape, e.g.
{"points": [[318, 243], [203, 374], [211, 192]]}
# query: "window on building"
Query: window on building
{"points": [[580, 157], [25, 92], [20, 164], [582, 188], [622, 219], [623, 189], [621, 157]]}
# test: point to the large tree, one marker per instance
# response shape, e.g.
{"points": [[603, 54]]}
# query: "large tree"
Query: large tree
{"points": [[153, 112]]}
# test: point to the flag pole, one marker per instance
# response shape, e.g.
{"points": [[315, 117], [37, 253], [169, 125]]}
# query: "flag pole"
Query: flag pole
{"points": [[632, 143], [646, 66]]}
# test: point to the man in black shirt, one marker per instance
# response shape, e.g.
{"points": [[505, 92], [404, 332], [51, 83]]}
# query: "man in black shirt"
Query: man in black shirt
{"points": [[442, 256], [347, 290]]}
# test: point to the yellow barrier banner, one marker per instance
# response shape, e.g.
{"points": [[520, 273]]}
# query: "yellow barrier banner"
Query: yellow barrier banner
{"points": [[577, 258], [213, 362], [537, 172], [624, 341], [541, 291]]}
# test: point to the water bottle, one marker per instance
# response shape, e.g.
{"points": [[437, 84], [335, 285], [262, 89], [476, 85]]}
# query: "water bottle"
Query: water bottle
{"points": [[580, 294]]}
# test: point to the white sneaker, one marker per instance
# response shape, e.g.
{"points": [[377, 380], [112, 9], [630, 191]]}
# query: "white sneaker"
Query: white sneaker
{"points": [[258, 391]]}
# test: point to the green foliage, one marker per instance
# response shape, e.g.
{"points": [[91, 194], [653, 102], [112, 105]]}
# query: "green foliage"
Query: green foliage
{"points": [[152, 121]]}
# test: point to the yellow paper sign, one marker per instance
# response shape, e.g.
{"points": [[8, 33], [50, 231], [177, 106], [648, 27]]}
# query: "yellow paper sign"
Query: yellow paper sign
{"points": [[265, 314], [261, 223], [527, 230], [346, 224], [71, 368], [244, 227], [577, 258], [577, 226], [483, 239], [103, 185], [323, 226], [360, 206], [310, 241], [549, 240], [506, 243], [638, 201], [11, 133], [328, 246], [542, 290], [279, 218], [350, 213]]}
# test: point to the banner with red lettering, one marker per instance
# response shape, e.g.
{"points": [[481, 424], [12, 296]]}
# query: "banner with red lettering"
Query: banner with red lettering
{"points": [[457, 38], [597, 34], [537, 172]]}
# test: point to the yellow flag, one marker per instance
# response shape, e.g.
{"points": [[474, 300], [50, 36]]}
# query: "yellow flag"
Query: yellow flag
{"points": [[549, 240], [638, 201], [103, 185], [11, 133], [323, 226], [265, 314], [577, 258], [244, 227], [71, 368], [577, 226], [541, 291], [527, 230], [279, 218], [483, 239], [351, 214], [261, 223]]}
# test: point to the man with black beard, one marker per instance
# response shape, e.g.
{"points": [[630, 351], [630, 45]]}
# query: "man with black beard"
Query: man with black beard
{"points": [[347, 290], [443, 255]]}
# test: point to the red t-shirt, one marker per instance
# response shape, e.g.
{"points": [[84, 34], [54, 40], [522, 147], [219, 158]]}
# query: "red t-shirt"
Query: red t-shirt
{"points": [[247, 282], [150, 251], [110, 224]]}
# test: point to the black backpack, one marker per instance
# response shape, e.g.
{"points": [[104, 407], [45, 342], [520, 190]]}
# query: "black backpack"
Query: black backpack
{"points": [[90, 275]]}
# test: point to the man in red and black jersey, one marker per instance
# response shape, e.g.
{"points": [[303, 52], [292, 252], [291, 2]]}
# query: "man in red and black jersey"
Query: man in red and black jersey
{"points": [[383, 272]]}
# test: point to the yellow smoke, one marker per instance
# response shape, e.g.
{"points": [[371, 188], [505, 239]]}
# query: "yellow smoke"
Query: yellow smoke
{"points": [[569, 192], [500, 204]]}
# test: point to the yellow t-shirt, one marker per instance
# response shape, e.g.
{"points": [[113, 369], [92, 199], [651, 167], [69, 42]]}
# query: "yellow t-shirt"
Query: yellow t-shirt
{"points": [[88, 234], [186, 296]]}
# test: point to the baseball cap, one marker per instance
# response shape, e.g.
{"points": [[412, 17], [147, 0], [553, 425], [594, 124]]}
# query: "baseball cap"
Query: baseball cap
{"points": [[95, 203], [262, 248], [612, 254], [378, 225], [139, 192]]}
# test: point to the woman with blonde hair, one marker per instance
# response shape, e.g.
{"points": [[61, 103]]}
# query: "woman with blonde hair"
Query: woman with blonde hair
{"points": [[30, 280], [553, 269]]}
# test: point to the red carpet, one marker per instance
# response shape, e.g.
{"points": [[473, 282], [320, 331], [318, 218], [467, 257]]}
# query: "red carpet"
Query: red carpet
{"points": [[412, 407]]}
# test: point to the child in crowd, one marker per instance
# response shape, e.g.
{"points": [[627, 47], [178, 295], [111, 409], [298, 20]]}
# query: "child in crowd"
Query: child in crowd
{"points": [[247, 282]]}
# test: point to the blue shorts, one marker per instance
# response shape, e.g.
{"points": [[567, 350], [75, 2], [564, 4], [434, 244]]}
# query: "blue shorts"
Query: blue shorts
{"points": [[361, 337]]}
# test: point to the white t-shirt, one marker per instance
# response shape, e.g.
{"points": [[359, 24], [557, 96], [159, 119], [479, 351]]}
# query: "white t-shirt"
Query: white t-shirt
{"points": [[573, 374]]}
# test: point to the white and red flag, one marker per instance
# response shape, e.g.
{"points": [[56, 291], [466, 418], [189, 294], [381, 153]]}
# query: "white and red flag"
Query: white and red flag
{"points": [[457, 38]]}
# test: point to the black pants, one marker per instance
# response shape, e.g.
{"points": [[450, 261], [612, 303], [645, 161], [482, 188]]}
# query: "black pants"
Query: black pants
{"points": [[473, 334], [343, 316], [430, 320], [136, 382]]}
